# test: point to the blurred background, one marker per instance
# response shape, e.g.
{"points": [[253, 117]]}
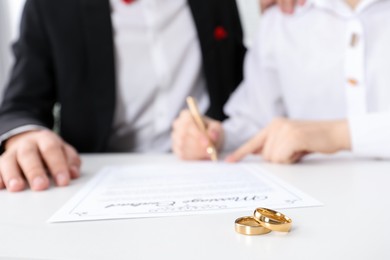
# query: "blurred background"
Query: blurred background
{"points": [[10, 12]]}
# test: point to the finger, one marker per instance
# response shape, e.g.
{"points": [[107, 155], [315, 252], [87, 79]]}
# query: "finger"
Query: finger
{"points": [[176, 143], [32, 166], [265, 4], [282, 147], [287, 150], [184, 128], [188, 141], [196, 148], [298, 157], [180, 145], [74, 161], [301, 2], [183, 122], [2, 186], [282, 155], [277, 145], [10, 173], [289, 158], [188, 147], [188, 154], [177, 151], [287, 6], [177, 136], [185, 116], [214, 131], [255, 144], [193, 144], [54, 156], [195, 134], [270, 143]]}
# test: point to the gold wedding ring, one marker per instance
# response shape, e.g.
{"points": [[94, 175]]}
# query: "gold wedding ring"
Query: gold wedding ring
{"points": [[250, 226], [273, 220]]}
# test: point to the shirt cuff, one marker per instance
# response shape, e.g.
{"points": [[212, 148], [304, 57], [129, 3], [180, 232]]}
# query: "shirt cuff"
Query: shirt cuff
{"points": [[370, 135], [19, 130]]}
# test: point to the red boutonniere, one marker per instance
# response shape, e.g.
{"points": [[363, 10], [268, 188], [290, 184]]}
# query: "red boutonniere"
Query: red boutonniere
{"points": [[128, 1], [220, 33]]}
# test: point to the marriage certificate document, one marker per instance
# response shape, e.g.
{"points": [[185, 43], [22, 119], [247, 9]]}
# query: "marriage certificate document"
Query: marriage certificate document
{"points": [[159, 190]]}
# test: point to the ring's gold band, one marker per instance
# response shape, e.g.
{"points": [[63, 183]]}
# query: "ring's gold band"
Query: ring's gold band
{"points": [[273, 220], [250, 226]]}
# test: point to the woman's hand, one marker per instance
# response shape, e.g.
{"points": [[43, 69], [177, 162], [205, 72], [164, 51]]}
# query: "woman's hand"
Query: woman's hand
{"points": [[189, 143], [287, 141]]}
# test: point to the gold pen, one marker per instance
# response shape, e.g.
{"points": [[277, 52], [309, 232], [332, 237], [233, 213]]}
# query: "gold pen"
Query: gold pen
{"points": [[194, 110]]}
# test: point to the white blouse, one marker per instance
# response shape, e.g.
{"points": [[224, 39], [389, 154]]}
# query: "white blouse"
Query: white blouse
{"points": [[325, 62]]}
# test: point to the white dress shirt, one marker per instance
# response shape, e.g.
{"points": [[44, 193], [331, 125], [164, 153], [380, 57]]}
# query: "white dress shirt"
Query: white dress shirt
{"points": [[325, 62], [158, 64]]}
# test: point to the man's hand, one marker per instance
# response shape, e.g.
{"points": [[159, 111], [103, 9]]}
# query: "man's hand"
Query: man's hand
{"points": [[287, 141], [189, 143], [32, 155], [287, 6]]}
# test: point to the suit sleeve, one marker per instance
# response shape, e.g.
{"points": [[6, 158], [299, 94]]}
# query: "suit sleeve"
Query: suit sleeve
{"points": [[30, 94]]}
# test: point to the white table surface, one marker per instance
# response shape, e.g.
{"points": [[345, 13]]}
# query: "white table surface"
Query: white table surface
{"points": [[352, 224]]}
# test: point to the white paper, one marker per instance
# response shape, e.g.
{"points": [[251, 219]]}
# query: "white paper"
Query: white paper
{"points": [[156, 190]]}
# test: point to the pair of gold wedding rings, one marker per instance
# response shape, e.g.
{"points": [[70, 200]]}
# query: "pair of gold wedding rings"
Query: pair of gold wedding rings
{"points": [[262, 222]]}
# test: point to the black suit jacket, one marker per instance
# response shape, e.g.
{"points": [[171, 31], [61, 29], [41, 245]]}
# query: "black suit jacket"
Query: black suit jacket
{"points": [[65, 55]]}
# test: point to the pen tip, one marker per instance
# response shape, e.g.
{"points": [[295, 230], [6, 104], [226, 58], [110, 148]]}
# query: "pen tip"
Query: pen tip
{"points": [[213, 153]]}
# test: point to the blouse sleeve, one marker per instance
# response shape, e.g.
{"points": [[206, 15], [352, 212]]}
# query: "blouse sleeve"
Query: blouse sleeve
{"points": [[258, 99]]}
